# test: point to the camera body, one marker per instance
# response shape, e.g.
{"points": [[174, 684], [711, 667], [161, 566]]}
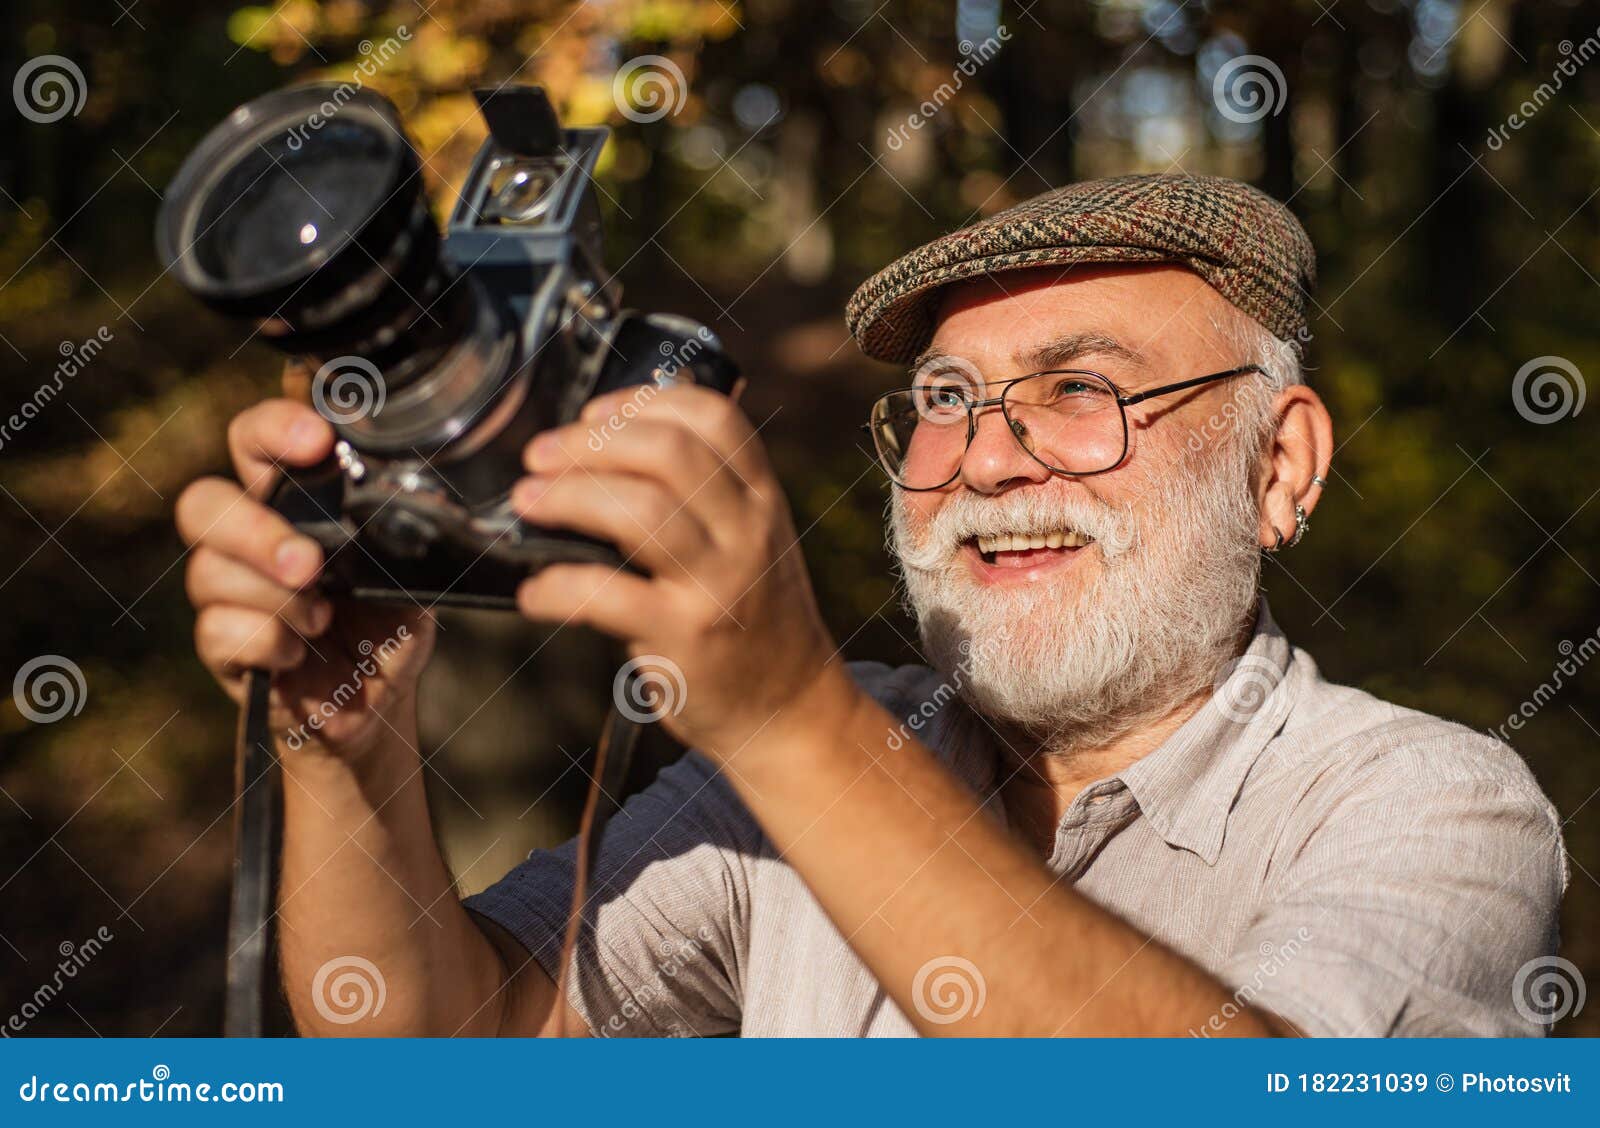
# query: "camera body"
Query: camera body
{"points": [[437, 360]]}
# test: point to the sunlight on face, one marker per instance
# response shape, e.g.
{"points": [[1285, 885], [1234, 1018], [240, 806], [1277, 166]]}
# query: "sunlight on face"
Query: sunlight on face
{"points": [[1141, 616]]}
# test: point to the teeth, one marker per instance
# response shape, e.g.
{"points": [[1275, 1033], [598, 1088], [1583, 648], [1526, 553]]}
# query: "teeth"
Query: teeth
{"points": [[1018, 542]]}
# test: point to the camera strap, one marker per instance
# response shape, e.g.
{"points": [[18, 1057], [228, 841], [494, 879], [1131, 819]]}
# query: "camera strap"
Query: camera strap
{"points": [[612, 759], [258, 833]]}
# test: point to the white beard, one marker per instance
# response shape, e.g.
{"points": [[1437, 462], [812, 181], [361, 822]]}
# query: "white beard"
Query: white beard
{"points": [[1076, 664]]}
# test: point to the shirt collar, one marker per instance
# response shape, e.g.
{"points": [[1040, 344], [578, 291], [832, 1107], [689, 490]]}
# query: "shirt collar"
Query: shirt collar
{"points": [[1187, 787]]}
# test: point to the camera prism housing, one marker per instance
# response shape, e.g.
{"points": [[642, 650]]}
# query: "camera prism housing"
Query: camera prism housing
{"points": [[436, 361]]}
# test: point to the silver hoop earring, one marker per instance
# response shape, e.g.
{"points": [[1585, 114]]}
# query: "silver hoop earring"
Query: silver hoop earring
{"points": [[1301, 524], [1319, 481], [1274, 549]]}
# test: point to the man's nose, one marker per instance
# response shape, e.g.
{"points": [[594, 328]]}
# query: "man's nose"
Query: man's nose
{"points": [[995, 459]]}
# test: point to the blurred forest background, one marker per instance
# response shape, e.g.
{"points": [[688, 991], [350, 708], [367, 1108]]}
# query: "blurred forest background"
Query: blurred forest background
{"points": [[1452, 563]]}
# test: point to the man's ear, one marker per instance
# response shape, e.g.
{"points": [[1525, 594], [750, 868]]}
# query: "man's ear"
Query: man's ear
{"points": [[1300, 450]]}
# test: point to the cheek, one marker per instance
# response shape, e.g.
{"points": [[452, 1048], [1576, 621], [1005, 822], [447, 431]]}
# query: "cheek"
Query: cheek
{"points": [[1156, 454], [918, 508], [934, 451]]}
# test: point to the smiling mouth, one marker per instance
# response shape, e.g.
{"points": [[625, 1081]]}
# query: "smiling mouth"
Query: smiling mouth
{"points": [[1023, 549]]}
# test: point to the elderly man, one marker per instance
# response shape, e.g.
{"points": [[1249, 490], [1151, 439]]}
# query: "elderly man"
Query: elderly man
{"points": [[1119, 801]]}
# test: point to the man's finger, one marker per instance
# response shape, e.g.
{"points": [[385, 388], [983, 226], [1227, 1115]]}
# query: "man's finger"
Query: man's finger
{"points": [[593, 595], [274, 434], [652, 528], [213, 579], [231, 639], [214, 512], [661, 449]]}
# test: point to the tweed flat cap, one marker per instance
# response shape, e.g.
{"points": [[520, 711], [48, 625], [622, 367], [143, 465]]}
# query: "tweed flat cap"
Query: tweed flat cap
{"points": [[1246, 244]]}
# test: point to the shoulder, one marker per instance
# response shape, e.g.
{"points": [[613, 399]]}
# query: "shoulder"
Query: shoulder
{"points": [[693, 785], [899, 689], [1362, 740], [1353, 758], [690, 801]]}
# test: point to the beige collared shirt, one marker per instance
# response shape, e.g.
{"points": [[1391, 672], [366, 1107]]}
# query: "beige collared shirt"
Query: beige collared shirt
{"points": [[1352, 866]]}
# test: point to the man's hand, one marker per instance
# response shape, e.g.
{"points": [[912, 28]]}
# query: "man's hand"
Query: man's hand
{"points": [[250, 578], [684, 489]]}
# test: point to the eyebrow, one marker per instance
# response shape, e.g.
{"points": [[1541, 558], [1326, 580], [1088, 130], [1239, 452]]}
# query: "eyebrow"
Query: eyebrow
{"points": [[1056, 352], [1074, 346]]}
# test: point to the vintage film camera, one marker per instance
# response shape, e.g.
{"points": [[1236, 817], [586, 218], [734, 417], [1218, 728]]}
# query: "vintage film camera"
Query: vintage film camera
{"points": [[436, 361]]}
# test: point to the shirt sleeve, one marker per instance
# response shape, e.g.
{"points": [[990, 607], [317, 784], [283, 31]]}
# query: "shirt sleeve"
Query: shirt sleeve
{"points": [[660, 953], [1421, 905]]}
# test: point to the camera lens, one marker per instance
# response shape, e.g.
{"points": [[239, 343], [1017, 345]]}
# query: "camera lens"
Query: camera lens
{"points": [[287, 204], [304, 212]]}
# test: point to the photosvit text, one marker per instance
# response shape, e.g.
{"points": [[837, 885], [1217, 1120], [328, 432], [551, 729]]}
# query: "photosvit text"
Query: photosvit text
{"points": [[1468, 1083]]}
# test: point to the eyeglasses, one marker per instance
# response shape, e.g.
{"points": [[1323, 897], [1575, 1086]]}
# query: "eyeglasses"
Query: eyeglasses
{"points": [[1070, 421]]}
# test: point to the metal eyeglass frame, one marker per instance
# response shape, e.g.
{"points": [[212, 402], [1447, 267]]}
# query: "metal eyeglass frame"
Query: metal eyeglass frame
{"points": [[1123, 401]]}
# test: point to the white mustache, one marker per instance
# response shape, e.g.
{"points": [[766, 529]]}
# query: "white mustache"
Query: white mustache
{"points": [[1033, 513]]}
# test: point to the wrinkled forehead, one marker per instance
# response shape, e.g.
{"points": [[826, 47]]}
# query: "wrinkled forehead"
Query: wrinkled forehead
{"points": [[1164, 317]]}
